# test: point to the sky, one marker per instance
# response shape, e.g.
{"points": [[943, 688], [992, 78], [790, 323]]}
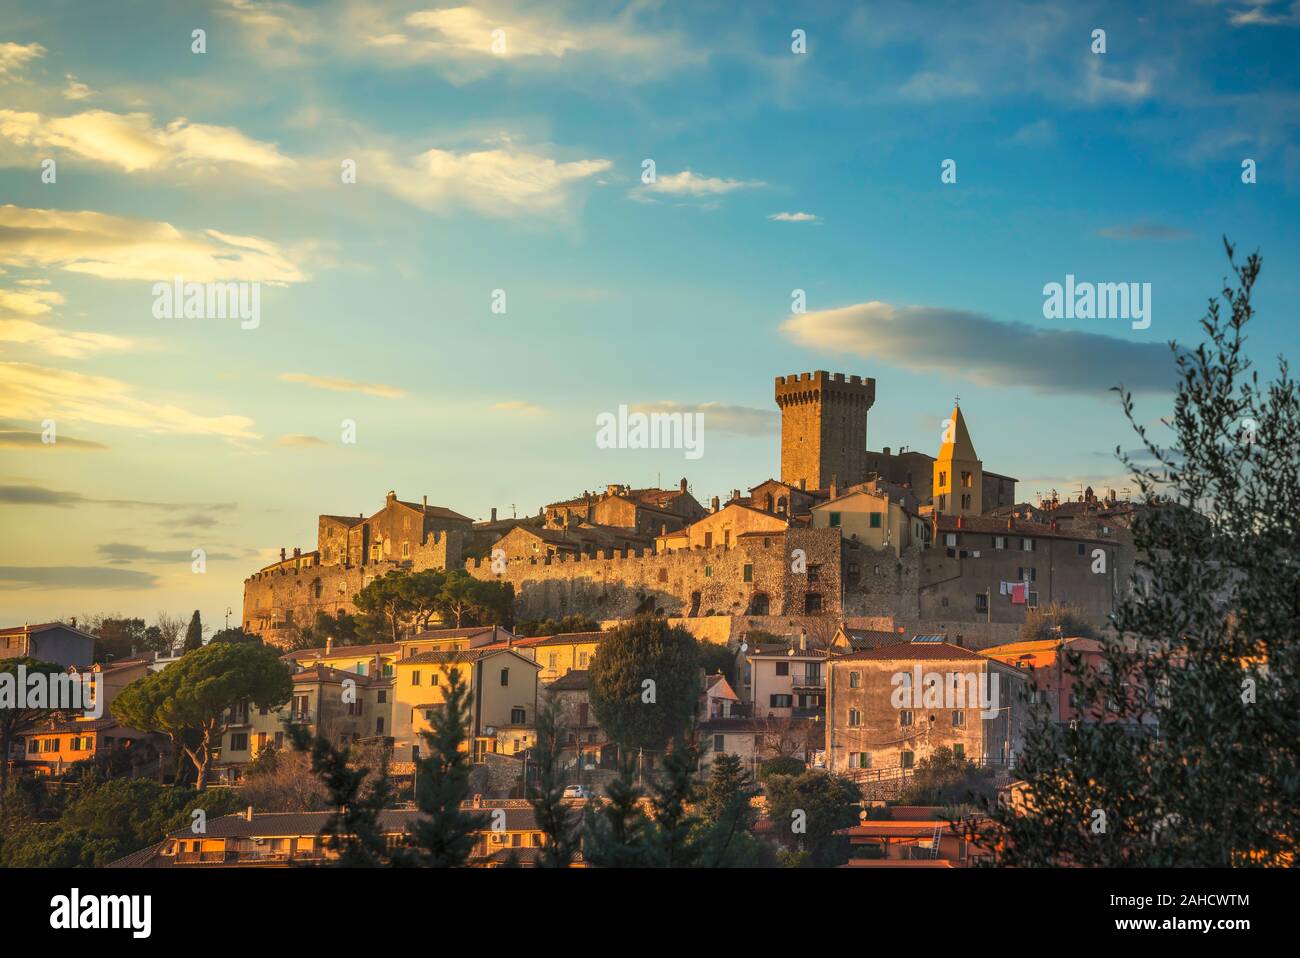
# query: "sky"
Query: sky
{"points": [[449, 220]]}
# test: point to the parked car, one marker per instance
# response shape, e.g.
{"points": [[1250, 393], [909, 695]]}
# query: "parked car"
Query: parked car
{"points": [[577, 791]]}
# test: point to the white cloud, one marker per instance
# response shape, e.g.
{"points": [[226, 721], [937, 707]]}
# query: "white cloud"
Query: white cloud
{"points": [[795, 217], [338, 384], [519, 406], [691, 184], [720, 417], [14, 58], [76, 90], [953, 342], [504, 180], [118, 247], [131, 141], [19, 310], [31, 392]]}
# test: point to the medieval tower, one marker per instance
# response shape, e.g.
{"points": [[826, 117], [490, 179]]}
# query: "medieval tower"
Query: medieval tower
{"points": [[824, 428]]}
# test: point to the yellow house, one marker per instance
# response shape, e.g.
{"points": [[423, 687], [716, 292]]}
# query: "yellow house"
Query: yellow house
{"points": [[560, 654], [502, 684], [721, 528], [454, 640], [343, 707], [878, 515]]}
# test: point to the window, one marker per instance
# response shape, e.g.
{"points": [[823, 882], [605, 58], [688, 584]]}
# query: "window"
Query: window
{"points": [[783, 668], [958, 750], [812, 603], [551, 660], [708, 572], [875, 520], [855, 718], [905, 717], [999, 542], [1028, 573], [383, 696], [719, 743], [749, 573], [663, 575], [967, 480], [505, 676], [583, 659], [855, 680], [959, 719], [835, 520], [981, 602], [950, 539], [708, 540], [905, 759], [965, 500], [406, 549], [1079, 547], [781, 701], [279, 739], [1033, 600], [518, 716], [943, 480], [859, 760], [1027, 545], [239, 742], [415, 677]]}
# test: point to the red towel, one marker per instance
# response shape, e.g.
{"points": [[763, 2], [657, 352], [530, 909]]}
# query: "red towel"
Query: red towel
{"points": [[1019, 593]]}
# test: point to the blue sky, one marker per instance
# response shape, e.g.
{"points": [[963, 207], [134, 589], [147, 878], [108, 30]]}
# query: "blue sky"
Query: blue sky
{"points": [[520, 169]]}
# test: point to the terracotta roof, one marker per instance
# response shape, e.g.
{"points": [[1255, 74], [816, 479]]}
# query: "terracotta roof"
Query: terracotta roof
{"points": [[467, 632], [436, 512], [341, 650], [463, 655], [987, 525], [906, 651], [862, 639], [565, 638], [324, 673], [346, 520], [574, 680]]}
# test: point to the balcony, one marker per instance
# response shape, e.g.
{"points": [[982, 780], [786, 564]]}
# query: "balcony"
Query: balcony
{"points": [[809, 682]]}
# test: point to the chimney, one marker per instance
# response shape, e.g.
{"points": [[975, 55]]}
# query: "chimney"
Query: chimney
{"points": [[713, 504], [248, 814], [835, 481], [392, 494], [426, 504], [297, 551], [74, 621], [885, 451], [329, 645], [682, 485], [494, 513], [282, 555], [803, 641], [735, 494]]}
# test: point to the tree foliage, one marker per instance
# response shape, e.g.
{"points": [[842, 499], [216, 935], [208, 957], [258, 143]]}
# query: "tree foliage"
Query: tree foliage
{"points": [[645, 682], [193, 695], [1207, 651], [15, 720], [808, 809]]}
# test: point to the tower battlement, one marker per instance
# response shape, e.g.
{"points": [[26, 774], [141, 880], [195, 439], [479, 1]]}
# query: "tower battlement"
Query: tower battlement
{"points": [[823, 427]]}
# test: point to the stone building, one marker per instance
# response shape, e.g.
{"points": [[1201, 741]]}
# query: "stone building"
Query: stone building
{"points": [[823, 427], [889, 707], [643, 511]]}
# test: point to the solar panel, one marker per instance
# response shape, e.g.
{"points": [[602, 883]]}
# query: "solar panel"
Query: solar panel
{"points": [[928, 638]]}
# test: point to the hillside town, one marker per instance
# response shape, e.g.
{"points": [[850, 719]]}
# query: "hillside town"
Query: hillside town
{"points": [[888, 622]]}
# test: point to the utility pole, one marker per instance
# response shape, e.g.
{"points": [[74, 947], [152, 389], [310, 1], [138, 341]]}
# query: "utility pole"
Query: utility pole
{"points": [[227, 617]]}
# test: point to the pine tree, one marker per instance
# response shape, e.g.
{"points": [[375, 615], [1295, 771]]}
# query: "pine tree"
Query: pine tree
{"points": [[727, 816], [354, 829], [547, 797], [674, 839], [194, 634], [616, 836], [444, 836]]}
